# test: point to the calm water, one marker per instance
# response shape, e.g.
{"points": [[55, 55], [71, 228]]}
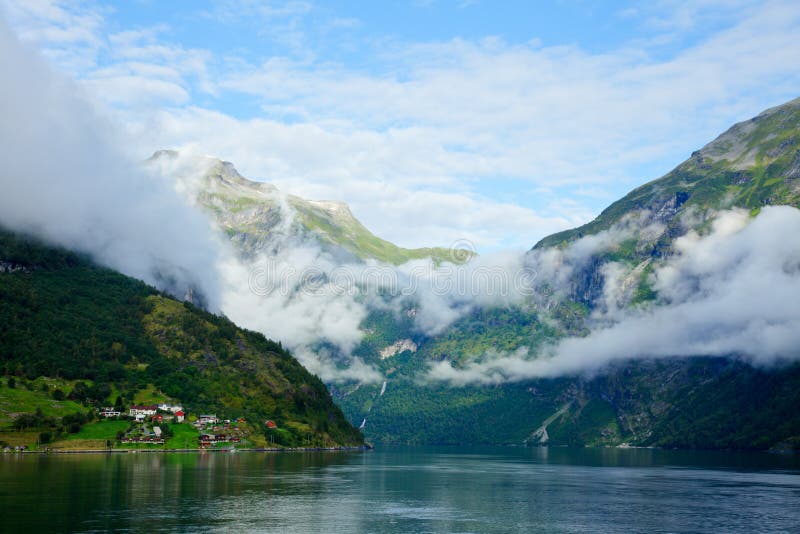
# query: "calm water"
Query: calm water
{"points": [[403, 490]]}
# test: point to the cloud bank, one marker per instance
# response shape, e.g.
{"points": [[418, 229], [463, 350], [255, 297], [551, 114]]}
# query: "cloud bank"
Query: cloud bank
{"points": [[315, 298], [300, 293], [65, 179], [418, 146], [733, 292]]}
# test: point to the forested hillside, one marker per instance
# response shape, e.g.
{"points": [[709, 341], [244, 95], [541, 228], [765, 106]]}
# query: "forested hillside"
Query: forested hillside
{"points": [[65, 318]]}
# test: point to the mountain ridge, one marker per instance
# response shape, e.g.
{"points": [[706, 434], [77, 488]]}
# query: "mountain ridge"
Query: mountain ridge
{"points": [[258, 215], [764, 148]]}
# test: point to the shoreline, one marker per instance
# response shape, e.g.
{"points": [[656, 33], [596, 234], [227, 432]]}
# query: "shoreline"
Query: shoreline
{"points": [[361, 448]]}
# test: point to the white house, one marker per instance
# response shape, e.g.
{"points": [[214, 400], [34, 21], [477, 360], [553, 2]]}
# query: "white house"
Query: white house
{"points": [[174, 408], [143, 410], [110, 412], [207, 419]]}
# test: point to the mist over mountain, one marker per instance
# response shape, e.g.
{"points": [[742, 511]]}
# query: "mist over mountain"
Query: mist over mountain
{"points": [[66, 179], [639, 280], [730, 292], [682, 291], [695, 270], [309, 273], [696, 263]]}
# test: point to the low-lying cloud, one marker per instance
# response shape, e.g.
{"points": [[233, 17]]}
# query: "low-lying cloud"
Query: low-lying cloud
{"points": [[299, 293], [315, 298], [732, 292], [65, 179]]}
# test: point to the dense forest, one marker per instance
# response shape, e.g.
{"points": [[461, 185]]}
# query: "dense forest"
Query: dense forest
{"points": [[62, 316]]}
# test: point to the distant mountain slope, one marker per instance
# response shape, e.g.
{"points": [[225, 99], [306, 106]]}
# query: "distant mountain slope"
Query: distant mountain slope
{"points": [[255, 215], [62, 316], [754, 163], [697, 402]]}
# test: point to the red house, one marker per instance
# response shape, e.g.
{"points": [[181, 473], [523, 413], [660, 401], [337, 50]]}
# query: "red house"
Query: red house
{"points": [[271, 424], [179, 415]]}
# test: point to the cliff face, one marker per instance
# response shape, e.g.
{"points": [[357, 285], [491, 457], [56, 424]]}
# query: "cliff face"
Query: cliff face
{"points": [[699, 402]]}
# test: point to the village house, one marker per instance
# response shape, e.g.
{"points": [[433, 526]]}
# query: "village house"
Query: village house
{"points": [[110, 412], [207, 419], [206, 440], [172, 408], [179, 416], [143, 439], [144, 410]]}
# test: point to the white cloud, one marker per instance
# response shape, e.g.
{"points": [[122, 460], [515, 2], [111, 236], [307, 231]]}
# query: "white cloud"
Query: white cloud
{"points": [[442, 120], [443, 117], [69, 32], [420, 144], [395, 202], [66, 179], [731, 293]]}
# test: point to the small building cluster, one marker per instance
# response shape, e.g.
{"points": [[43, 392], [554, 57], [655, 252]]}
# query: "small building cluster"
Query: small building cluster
{"points": [[152, 439], [213, 431], [108, 412], [140, 413]]}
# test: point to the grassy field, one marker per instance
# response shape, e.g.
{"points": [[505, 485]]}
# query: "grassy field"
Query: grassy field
{"points": [[150, 395], [140, 446], [71, 444], [14, 439], [20, 400], [184, 436], [102, 430]]}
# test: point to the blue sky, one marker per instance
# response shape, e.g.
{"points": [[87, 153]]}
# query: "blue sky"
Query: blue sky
{"points": [[497, 122]]}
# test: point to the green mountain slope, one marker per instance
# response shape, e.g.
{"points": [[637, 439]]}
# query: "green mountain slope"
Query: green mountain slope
{"points": [[752, 164], [691, 402], [256, 215], [63, 317]]}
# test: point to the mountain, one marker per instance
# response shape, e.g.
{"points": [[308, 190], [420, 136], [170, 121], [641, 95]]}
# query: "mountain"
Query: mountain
{"points": [[704, 402], [753, 164], [689, 401], [65, 321], [255, 215]]}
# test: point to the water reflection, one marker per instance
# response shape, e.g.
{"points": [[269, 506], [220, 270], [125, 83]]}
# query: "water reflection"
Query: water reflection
{"points": [[402, 490]]}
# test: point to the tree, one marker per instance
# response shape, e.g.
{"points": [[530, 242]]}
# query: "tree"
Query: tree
{"points": [[58, 394], [12, 383], [44, 438], [79, 392]]}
